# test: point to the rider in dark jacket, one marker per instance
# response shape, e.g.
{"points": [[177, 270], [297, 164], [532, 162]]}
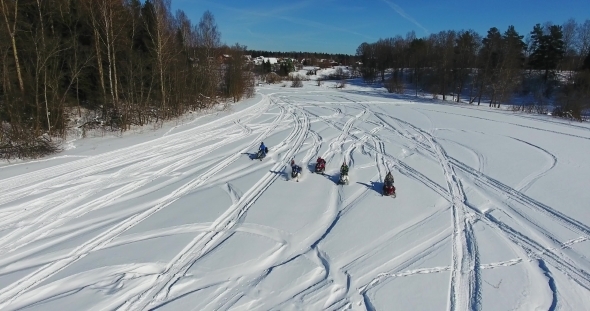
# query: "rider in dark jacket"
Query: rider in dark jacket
{"points": [[263, 148], [294, 167], [389, 178], [344, 169]]}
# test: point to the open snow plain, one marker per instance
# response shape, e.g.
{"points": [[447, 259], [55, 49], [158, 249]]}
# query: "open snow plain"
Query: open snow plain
{"points": [[492, 212]]}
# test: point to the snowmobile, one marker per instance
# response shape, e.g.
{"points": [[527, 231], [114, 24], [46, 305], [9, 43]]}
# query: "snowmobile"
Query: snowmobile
{"points": [[343, 179], [295, 172], [320, 167], [343, 174], [389, 189], [261, 155]]}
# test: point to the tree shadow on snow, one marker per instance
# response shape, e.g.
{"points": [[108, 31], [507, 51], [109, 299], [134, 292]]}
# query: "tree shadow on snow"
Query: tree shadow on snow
{"points": [[375, 186], [377, 89]]}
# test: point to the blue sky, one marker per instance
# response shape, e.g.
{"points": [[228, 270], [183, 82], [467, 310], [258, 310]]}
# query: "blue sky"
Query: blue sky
{"points": [[340, 26]]}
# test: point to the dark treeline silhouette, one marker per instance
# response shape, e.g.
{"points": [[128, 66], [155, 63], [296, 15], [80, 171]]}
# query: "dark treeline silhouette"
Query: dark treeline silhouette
{"points": [[548, 63], [110, 63]]}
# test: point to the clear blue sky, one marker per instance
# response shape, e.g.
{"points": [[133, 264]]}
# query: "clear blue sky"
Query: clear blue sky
{"points": [[340, 26]]}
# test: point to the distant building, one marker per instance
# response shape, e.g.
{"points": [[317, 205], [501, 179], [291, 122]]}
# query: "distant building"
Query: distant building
{"points": [[261, 59]]}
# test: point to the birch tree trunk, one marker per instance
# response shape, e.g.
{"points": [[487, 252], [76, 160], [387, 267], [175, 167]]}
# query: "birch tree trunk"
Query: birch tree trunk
{"points": [[12, 34]]}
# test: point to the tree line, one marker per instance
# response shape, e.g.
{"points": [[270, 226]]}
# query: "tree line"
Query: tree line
{"points": [[552, 62], [111, 63]]}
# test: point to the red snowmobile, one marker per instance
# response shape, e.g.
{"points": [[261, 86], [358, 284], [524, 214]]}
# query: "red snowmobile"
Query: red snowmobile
{"points": [[389, 189], [320, 166]]}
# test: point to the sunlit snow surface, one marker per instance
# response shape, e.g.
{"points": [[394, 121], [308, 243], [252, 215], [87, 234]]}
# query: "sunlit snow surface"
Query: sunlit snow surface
{"points": [[492, 211]]}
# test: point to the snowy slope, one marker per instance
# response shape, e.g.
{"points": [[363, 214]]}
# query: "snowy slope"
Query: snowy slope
{"points": [[491, 212]]}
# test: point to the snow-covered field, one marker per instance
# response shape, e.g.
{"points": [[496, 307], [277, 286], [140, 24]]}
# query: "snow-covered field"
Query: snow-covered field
{"points": [[492, 211]]}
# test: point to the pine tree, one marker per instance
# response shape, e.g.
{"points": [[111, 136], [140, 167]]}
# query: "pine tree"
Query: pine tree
{"points": [[548, 49], [283, 71], [266, 66], [586, 65], [490, 58], [537, 46], [512, 60], [417, 53], [514, 46], [466, 46]]}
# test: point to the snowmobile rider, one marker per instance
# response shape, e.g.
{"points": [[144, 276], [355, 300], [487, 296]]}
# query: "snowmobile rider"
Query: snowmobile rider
{"points": [[344, 169], [294, 167], [321, 161], [389, 178], [263, 148]]}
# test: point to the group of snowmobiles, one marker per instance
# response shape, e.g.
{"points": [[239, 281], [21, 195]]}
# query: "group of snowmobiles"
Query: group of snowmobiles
{"points": [[320, 168]]}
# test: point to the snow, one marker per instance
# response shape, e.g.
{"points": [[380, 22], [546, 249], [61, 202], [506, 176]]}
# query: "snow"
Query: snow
{"points": [[491, 211]]}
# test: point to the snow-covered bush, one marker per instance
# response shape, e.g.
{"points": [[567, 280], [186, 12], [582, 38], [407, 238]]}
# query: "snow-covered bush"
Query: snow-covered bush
{"points": [[18, 143], [273, 78], [297, 82]]}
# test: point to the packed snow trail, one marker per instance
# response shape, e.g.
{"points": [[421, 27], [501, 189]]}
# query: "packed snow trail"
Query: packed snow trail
{"points": [[222, 228], [188, 221]]}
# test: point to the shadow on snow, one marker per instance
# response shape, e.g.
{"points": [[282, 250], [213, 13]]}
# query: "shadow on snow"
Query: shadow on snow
{"points": [[375, 186]]}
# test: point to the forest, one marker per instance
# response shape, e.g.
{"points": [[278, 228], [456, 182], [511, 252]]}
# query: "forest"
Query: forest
{"points": [[109, 63], [547, 67], [116, 64]]}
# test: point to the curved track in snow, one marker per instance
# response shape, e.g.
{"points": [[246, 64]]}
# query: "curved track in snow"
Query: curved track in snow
{"points": [[191, 221]]}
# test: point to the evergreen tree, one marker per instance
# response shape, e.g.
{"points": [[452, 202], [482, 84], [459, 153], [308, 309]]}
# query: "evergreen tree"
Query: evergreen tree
{"points": [[536, 45], [417, 53], [466, 46], [511, 63], [283, 71], [266, 66], [514, 47], [489, 62], [586, 65], [286, 67], [547, 49]]}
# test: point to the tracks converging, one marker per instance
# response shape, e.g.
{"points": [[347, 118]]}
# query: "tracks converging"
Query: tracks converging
{"points": [[40, 208]]}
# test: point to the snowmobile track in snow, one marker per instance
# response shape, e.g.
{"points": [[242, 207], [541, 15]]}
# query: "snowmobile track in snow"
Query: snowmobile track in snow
{"points": [[465, 275], [342, 248], [221, 228], [10, 293]]}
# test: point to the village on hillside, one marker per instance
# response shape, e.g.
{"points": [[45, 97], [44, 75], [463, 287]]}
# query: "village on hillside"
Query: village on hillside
{"points": [[275, 63]]}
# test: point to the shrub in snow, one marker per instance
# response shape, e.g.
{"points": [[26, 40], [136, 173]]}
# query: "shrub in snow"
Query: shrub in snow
{"points": [[394, 86], [273, 78], [22, 143], [297, 82]]}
